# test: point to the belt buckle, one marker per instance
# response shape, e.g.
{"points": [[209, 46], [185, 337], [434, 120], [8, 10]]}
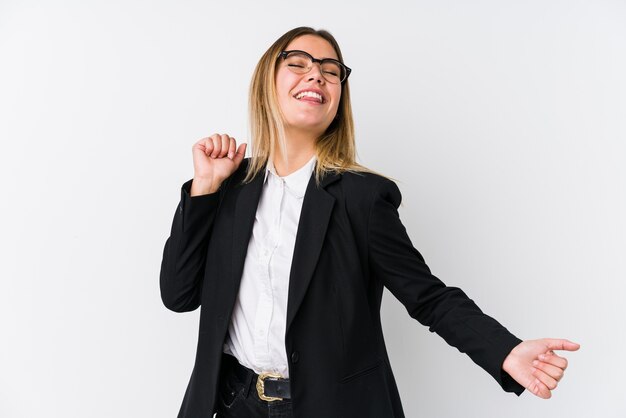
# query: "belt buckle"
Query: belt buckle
{"points": [[260, 386]]}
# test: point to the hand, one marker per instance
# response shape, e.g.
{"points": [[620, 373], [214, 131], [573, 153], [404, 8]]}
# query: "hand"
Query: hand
{"points": [[535, 366], [215, 158]]}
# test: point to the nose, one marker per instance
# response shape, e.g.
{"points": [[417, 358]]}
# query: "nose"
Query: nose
{"points": [[316, 73]]}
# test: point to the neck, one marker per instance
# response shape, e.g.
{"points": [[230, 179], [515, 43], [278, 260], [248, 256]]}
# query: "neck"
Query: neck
{"points": [[300, 149]]}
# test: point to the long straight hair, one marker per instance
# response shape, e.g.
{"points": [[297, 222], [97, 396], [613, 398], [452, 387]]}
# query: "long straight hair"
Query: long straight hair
{"points": [[335, 148]]}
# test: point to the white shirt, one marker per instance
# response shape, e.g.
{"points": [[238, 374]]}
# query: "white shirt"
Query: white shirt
{"points": [[256, 334]]}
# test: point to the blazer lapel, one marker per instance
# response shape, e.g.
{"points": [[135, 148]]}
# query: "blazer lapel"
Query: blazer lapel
{"points": [[316, 211]]}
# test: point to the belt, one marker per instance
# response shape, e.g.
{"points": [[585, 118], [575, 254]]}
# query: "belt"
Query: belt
{"points": [[269, 386]]}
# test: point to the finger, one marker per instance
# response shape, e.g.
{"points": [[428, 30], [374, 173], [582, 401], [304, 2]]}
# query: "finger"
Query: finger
{"points": [[561, 344], [208, 146], [225, 145], [539, 389], [241, 153], [553, 371], [554, 359], [217, 145], [544, 378], [198, 144], [232, 148]]}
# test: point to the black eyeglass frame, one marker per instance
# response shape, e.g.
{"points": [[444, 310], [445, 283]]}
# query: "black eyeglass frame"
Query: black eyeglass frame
{"points": [[347, 70]]}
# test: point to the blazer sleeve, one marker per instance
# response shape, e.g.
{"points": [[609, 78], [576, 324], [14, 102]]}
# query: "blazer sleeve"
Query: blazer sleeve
{"points": [[184, 255], [448, 311]]}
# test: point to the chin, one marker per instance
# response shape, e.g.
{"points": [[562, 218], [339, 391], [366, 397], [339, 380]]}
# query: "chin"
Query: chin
{"points": [[315, 125]]}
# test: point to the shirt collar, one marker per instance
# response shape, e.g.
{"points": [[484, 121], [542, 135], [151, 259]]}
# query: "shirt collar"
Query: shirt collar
{"points": [[297, 181]]}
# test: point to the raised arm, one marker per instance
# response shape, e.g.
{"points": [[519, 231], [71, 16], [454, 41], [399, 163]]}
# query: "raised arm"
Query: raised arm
{"points": [[184, 257]]}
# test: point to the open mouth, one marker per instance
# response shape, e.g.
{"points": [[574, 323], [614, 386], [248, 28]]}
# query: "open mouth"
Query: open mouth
{"points": [[310, 96]]}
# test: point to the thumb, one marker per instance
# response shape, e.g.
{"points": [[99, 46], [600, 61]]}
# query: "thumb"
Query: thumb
{"points": [[561, 344], [240, 154]]}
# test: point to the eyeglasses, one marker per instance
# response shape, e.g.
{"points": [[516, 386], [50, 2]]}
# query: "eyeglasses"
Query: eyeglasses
{"points": [[301, 62]]}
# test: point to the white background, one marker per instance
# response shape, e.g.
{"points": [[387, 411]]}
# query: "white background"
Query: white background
{"points": [[504, 123]]}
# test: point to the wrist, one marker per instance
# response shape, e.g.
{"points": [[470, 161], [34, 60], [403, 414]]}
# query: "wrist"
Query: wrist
{"points": [[508, 365], [202, 186]]}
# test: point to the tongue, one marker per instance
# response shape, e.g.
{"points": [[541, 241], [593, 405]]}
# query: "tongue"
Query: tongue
{"points": [[309, 99]]}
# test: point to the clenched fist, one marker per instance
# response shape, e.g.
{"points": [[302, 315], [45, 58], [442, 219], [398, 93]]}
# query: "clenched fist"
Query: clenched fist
{"points": [[214, 159]]}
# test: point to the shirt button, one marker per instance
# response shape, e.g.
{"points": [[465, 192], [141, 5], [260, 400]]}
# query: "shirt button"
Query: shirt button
{"points": [[294, 357]]}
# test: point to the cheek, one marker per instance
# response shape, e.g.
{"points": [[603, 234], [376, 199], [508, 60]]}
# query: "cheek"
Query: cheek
{"points": [[337, 97], [285, 82]]}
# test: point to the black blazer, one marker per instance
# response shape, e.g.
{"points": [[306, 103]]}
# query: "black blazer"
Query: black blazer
{"points": [[349, 244]]}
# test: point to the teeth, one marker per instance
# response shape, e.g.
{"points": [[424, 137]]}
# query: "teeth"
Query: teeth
{"points": [[310, 94]]}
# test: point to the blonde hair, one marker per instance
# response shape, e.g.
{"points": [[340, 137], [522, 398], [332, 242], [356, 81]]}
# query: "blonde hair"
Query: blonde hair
{"points": [[335, 148]]}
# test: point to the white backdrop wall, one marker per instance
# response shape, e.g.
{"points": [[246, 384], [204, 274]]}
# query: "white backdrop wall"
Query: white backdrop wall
{"points": [[504, 123]]}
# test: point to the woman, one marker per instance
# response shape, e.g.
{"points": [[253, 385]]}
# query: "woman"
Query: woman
{"points": [[288, 252]]}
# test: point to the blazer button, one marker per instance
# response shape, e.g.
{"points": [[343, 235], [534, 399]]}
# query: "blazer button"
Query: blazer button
{"points": [[294, 357]]}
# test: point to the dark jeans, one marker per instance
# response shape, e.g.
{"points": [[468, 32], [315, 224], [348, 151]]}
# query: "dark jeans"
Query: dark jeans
{"points": [[239, 399]]}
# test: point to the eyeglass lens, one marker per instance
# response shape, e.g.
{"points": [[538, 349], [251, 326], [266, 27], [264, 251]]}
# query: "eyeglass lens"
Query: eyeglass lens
{"points": [[301, 64]]}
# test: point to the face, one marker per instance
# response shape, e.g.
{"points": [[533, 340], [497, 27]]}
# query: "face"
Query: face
{"points": [[307, 113]]}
